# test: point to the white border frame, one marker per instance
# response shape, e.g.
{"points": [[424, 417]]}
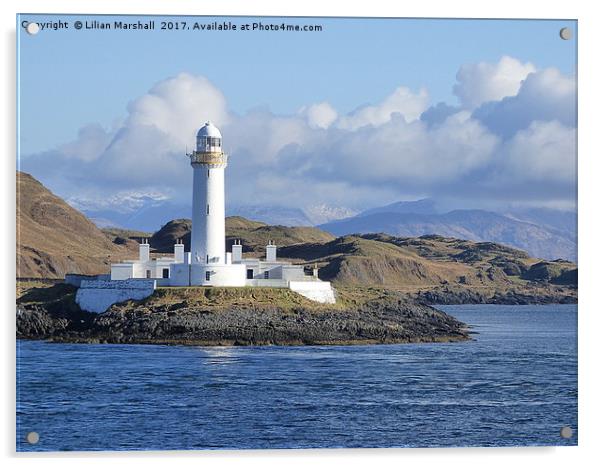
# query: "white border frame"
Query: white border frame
{"points": [[590, 320]]}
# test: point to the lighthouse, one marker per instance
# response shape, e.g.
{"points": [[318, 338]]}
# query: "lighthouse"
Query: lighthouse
{"points": [[207, 245], [207, 263]]}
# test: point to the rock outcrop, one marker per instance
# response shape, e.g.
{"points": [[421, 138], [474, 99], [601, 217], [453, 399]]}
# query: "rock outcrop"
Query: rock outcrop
{"points": [[242, 316]]}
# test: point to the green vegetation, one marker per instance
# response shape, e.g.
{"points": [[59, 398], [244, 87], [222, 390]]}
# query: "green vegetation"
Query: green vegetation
{"points": [[411, 264], [53, 296], [222, 298]]}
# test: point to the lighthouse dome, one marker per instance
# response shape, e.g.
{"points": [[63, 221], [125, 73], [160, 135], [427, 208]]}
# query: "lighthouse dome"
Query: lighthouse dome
{"points": [[209, 130], [209, 138]]}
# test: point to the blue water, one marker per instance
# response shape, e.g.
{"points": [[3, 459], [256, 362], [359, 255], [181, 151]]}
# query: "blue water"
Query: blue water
{"points": [[515, 384]]}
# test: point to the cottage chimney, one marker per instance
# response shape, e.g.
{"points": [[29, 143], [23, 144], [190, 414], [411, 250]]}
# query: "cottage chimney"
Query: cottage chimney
{"points": [[144, 251], [270, 252], [236, 252], [178, 252]]}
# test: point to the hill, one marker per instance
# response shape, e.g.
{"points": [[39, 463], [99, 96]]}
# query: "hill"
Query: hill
{"points": [[53, 238], [253, 235], [474, 225], [435, 263]]}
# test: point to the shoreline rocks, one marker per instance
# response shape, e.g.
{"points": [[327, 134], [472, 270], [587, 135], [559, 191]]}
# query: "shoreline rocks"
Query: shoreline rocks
{"points": [[387, 318], [448, 296]]}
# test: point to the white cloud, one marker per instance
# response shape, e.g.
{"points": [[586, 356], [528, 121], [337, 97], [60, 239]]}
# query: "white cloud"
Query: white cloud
{"points": [[484, 82], [147, 150], [545, 95], [545, 151], [401, 153], [320, 115], [91, 142], [401, 101], [377, 153], [178, 106]]}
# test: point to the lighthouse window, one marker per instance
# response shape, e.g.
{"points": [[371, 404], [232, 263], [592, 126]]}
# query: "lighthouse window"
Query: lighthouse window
{"points": [[207, 276], [207, 209], [208, 173]]}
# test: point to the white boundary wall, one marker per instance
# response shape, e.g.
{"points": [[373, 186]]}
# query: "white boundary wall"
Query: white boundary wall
{"points": [[99, 295], [321, 292]]}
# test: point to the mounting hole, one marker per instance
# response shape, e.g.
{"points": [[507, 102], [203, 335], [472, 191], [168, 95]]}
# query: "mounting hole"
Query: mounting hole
{"points": [[566, 432], [566, 33], [32, 28], [32, 438]]}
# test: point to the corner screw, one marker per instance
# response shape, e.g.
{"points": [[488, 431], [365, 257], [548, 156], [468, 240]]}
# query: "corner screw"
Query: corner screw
{"points": [[566, 34], [566, 432], [32, 438]]}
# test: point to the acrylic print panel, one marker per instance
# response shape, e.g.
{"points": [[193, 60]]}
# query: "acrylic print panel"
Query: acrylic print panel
{"points": [[254, 233]]}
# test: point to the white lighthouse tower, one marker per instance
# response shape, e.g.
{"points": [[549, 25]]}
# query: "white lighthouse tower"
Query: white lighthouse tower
{"points": [[209, 162], [207, 263]]}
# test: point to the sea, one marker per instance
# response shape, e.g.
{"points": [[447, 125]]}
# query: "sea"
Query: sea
{"points": [[514, 384]]}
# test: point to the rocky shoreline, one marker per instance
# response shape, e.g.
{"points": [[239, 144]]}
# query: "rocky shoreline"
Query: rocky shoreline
{"points": [[537, 295], [235, 317]]}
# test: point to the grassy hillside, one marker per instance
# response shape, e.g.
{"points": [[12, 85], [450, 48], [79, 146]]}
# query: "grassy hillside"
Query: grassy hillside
{"points": [[413, 264], [53, 238], [253, 235]]}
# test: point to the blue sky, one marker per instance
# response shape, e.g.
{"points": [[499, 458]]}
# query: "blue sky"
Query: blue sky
{"points": [[92, 75], [70, 79]]}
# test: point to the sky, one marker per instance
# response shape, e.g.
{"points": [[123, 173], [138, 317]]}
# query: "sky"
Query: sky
{"points": [[362, 113]]}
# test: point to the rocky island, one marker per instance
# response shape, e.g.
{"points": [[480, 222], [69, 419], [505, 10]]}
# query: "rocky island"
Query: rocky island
{"points": [[234, 316], [385, 284]]}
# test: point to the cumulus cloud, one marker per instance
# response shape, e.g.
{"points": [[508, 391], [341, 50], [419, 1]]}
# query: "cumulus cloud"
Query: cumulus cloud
{"points": [[402, 101], [320, 115], [146, 150], [397, 148], [397, 153], [437, 114], [544, 152], [484, 82], [177, 105], [545, 95]]}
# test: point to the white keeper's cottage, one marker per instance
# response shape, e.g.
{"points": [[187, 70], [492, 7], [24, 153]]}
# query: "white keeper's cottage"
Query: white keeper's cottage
{"points": [[207, 263]]}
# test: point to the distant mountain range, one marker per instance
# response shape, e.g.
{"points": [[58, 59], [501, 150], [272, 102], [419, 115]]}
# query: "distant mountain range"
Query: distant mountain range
{"points": [[545, 233], [153, 214], [542, 233], [423, 206]]}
